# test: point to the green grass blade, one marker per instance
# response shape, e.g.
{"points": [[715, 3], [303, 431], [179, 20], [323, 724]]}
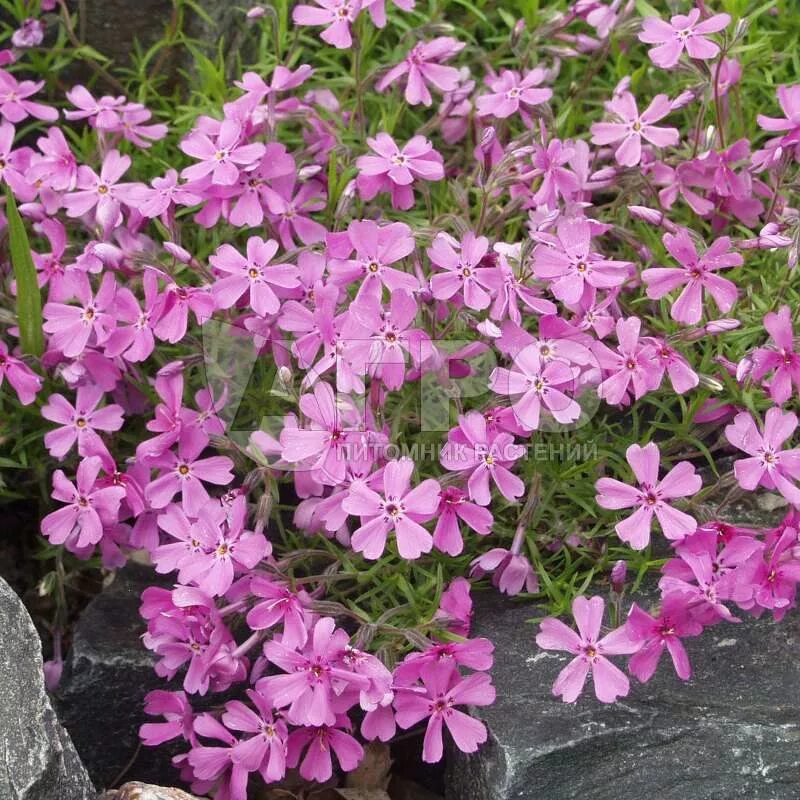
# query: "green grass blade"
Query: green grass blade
{"points": [[29, 300]]}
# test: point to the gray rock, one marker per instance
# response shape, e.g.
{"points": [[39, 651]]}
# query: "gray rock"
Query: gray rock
{"points": [[107, 674], [37, 759], [732, 731], [145, 791]]}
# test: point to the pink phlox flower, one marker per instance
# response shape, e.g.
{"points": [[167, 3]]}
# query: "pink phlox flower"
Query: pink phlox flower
{"points": [[454, 508], [291, 207], [376, 247], [80, 422], [683, 32], [394, 169], [185, 472], [134, 341], [24, 381], [650, 497], [476, 654], [630, 367], [668, 360], [56, 167], [511, 572], [214, 763], [80, 523], [99, 192], [335, 15], [399, 508], [557, 180], [103, 113], [423, 65], [662, 632], [178, 715], [14, 103], [222, 159], [591, 652], [463, 273], [281, 606], [455, 607], [768, 464], [698, 273], [161, 196], [320, 744], [484, 457], [566, 259], [377, 9], [29, 34], [782, 359], [135, 128], [511, 285], [788, 126], [633, 127], [15, 164], [252, 275], [512, 92], [443, 688], [171, 308], [74, 327]]}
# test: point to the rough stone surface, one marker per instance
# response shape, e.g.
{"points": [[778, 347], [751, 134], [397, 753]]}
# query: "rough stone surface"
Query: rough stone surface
{"points": [[145, 791], [733, 731], [37, 759], [107, 675]]}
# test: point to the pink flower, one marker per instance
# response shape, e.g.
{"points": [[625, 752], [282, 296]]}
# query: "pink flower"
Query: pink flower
{"points": [[252, 275], [650, 497], [99, 192], [556, 178], [630, 366], [682, 32], [782, 361], [667, 359], [279, 605], [223, 159], [462, 271], [320, 744], [400, 509], [789, 99], [566, 259], [423, 66], [80, 422], [590, 652], [632, 127], [662, 633], [697, 272], [471, 448], [394, 169], [103, 114], [511, 572], [337, 15], [25, 382], [510, 91], [14, 103], [377, 9], [443, 688], [768, 465], [538, 383], [185, 473], [29, 34], [56, 167], [291, 207], [80, 523], [454, 506], [376, 247]]}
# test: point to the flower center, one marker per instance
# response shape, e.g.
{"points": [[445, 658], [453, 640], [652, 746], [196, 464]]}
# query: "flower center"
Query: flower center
{"points": [[80, 422], [183, 469], [102, 189]]}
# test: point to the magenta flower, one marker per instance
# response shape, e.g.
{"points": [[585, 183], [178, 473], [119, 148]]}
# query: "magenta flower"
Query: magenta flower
{"points": [[80, 422], [454, 507], [463, 273], [308, 687], [89, 509], [99, 192], [510, 91], [185, 473], [291, 207], [632, 128], [566, 259], [682, 32], [650, 497], [400, 509], [511, 571], [279, 605], [697, 272], [443, 688], [630, 367], [548, 162], [336, 15], [664, 632], [538, 383], [376, 247], [223, 159], [14, 103], [25, 382], [394, 169], [320, 745], [252, 275], [590, 652], [483, 455], [789, 99], [377, 9], [423, 65], [782, 360], [103, 114], [768, 465]]}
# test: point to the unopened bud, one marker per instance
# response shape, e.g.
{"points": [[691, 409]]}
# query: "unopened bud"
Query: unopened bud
{"points": [[618, 574]]}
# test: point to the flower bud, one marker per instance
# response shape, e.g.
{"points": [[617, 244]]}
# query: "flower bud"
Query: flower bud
{"points": [[618, 573]]}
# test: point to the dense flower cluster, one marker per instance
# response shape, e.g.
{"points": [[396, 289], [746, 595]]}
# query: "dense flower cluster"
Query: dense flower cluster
{"points": [[328, 281]]}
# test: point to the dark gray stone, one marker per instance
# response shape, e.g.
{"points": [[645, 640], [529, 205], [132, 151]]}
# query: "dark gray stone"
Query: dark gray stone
{"points": [[732, 731], [107, 674], [37, 759]]}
